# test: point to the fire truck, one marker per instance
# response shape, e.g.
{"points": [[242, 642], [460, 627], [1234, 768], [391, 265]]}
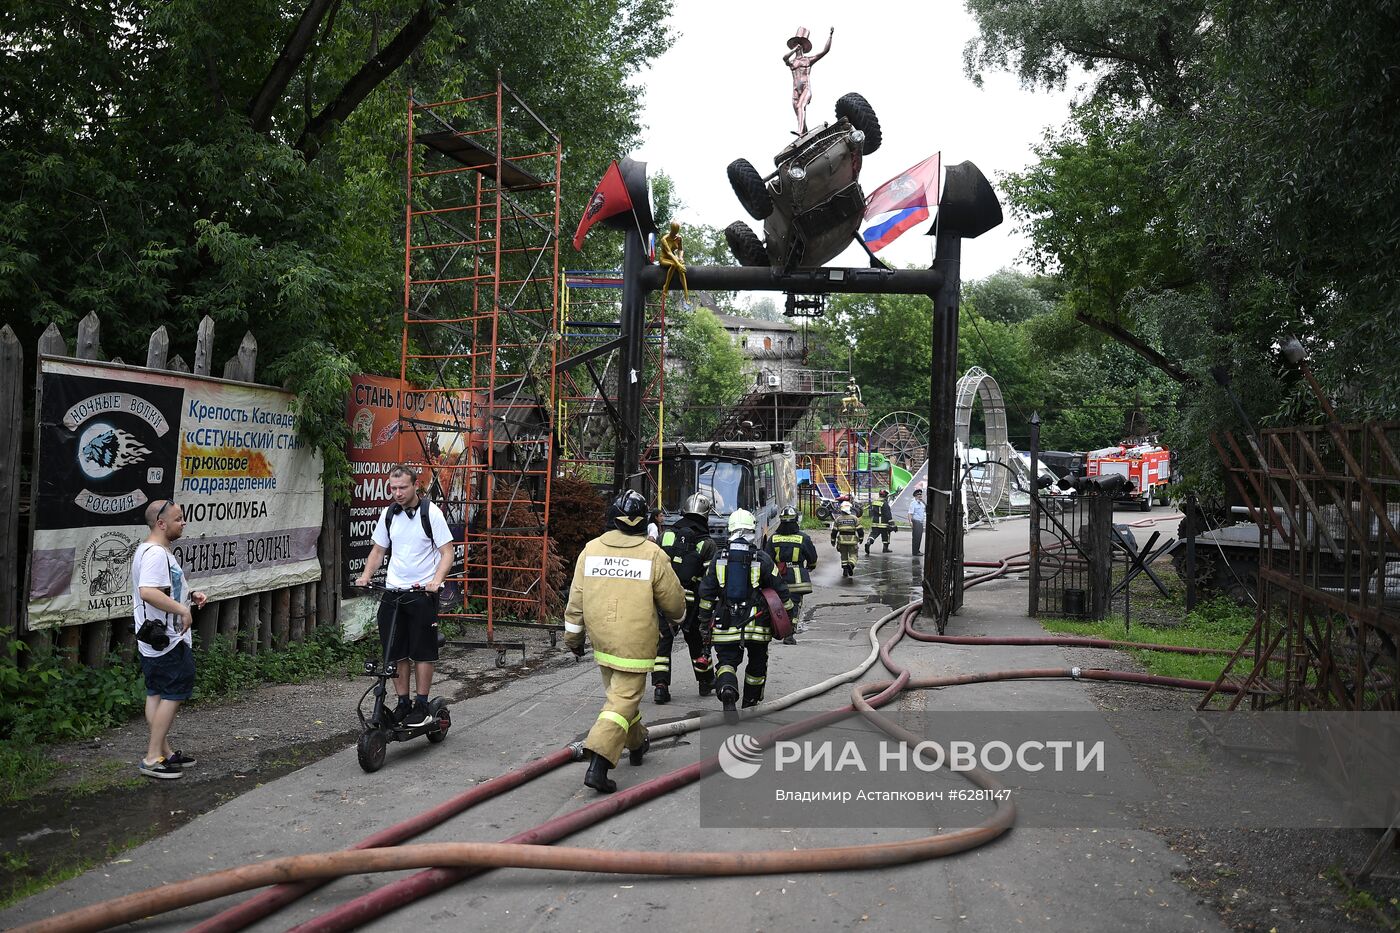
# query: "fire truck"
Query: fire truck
{"points": [[1146, 466]]}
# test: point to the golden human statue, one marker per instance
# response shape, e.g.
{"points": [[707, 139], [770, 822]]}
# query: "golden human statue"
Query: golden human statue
{"points": [[851, 404], [671, 255]]}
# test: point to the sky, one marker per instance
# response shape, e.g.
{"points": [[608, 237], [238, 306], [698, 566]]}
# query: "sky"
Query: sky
{"points": [[722, 91]]}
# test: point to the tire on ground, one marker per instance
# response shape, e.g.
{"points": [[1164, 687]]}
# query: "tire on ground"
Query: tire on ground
{"points": [[861, 115], [749, 189], [745, 244]]}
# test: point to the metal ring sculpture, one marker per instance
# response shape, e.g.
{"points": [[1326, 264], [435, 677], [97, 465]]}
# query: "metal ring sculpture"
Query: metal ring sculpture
{"points": [[978, 385]]}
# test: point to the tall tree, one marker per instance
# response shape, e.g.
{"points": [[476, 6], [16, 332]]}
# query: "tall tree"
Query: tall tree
{"points": [[165, 161]]}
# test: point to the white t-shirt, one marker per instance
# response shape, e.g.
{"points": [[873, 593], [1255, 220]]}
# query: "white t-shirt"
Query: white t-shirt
{"points": [[413, 559], [153, 565]]}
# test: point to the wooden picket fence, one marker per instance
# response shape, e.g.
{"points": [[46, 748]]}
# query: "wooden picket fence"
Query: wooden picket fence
{"points": [[256, 622]]}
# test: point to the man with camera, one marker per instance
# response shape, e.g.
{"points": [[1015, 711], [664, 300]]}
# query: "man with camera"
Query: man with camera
{"points": [[161, 604]]}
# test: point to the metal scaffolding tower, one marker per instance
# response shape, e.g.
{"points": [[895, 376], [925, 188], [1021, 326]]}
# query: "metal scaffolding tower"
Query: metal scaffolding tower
{"points": [[480, 326]]}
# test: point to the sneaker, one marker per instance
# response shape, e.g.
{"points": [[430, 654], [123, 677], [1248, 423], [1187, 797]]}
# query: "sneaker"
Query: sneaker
{"points": [[160, 768], [789, 640], [401, 712], [181, 760], [418, 716]]}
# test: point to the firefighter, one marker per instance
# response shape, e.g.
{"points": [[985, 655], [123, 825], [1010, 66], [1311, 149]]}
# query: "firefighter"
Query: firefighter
{"points": [[621, 582], [795, 556], [688, 544], [846, 534], [881, 522], [734, 613]]}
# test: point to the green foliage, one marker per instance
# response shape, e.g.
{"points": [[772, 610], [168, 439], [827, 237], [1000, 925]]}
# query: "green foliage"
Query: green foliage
{"points": [[889, 342], [142, 183], [1217, 190], [713, 376], [1219, 623], [225, 672], [50, 700], [22, 768]]}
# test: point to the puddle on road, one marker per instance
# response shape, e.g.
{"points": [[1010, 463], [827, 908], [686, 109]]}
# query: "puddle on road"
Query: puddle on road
{"points": [[50, 832], [61, 830]]}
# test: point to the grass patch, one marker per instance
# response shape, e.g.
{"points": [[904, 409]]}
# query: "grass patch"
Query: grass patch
{"points": [[105, 775], [23, 769], [21, 886], [1219, 623]]}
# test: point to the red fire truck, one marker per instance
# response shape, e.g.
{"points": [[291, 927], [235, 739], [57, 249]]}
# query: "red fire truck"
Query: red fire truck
{"points": [[1146, 466]]}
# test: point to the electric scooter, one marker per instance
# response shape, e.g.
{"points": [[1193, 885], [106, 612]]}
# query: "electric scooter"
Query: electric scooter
{"points": [[378, 729]]}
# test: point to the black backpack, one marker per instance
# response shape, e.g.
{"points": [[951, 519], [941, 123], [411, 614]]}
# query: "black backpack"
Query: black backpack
{"points": [[737, 591], [394, 509]]}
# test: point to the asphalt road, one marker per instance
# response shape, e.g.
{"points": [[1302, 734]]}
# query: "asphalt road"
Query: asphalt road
{"points": [[1035, 879]]}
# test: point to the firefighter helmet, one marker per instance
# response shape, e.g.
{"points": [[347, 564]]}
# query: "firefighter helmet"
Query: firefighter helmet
{"points": [[698, 505], [788, 514], [741, 520], [630, 512]]}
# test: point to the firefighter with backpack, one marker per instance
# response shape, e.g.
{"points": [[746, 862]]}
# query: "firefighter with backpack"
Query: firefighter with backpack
{"points": [[734, 611], [795, 556], [846, 535], [881, 522], [621, 582], [688, 544]]}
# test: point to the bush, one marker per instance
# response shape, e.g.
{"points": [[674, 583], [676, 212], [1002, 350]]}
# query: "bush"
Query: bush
{"points": [[49, 699]]}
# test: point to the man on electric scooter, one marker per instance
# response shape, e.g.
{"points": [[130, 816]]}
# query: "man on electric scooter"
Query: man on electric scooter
{"points": [[414, 532]]}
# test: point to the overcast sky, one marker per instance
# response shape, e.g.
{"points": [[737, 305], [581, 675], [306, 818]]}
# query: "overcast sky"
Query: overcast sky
{"points": [[722, 92]]}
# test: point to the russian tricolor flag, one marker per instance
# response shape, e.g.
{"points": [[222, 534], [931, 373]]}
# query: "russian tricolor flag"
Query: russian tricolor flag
{"points": [[901, 203]]}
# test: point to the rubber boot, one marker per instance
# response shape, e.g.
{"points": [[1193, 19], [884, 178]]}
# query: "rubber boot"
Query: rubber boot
{"points": [[635, 755], [707, 686], [662, 693], [597, 776], [729, 697]]}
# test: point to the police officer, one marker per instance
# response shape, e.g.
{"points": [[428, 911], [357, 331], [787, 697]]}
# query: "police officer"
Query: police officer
{"points": [[916, 520], [688, 544], [795, 556], [881, 522], [621, 582], [734, 612], [846, 534]]}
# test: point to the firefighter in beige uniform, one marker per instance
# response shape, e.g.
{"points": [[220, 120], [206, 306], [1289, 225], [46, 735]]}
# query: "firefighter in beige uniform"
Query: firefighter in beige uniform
{"points": [[621, 581]]}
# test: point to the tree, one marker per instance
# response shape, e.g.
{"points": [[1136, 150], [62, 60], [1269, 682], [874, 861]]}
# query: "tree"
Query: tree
{"points": [[166, 161], [1219, 189], [711, 377]]}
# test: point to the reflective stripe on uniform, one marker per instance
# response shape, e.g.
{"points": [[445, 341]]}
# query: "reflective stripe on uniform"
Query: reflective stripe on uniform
{"points": [[573, 629], [662, 664], [725, 669], [616, 719], [625, 664], [754, 681]]}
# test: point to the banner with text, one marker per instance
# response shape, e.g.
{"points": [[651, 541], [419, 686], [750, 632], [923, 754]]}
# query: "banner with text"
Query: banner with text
{"points": [[437, 433], [114, 438]]}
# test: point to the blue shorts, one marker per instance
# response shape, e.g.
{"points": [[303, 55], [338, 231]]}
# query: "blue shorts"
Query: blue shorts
{"points": [[170, 676]]}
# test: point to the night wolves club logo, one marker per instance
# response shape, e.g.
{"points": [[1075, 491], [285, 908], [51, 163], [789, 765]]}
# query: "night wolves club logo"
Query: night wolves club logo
{"points": [[109, 447], [103, 450]]}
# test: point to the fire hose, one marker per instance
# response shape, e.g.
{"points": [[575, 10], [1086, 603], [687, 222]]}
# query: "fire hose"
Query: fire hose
{"points": [[456, 861]]}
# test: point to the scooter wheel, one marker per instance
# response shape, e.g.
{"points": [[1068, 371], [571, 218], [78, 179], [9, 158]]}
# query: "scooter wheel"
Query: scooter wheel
{"points": [[370, 749], [444, 720]]}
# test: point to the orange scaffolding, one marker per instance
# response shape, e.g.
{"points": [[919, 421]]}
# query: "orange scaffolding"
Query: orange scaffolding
{"points": [[480, 324]]}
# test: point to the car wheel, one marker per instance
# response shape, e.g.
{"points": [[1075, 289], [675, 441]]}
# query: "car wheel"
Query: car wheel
{"points": [[861, 115], [749, 189], [745, 245]]}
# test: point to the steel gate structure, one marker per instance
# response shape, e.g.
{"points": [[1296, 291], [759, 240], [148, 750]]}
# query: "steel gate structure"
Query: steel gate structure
{"points": [[1327, 502]]}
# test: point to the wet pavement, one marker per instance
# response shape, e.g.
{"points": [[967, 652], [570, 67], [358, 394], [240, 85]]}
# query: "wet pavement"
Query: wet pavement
{"points": [[1072, 880]]}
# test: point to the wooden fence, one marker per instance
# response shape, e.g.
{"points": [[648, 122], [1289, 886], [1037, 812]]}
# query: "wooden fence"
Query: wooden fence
{"points": [[256, 622]]}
